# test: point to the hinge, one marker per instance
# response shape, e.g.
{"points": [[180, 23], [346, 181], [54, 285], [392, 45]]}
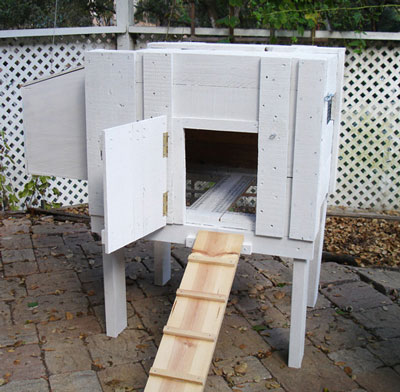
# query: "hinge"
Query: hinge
{"points": [[165, 144], [165, 203]]}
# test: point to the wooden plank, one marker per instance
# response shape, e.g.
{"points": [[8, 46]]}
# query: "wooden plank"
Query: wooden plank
{"points": [[310, 122], [273, 136], [176, 375], [110, 100], [55, 125], [188, 345], [135, 179], [185, 333], [225, 260], [200, 295], [157, 101]]}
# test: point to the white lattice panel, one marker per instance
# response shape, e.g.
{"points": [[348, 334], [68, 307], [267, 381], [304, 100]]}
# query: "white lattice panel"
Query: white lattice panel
{"points": [[369, 157], [24, 60]]}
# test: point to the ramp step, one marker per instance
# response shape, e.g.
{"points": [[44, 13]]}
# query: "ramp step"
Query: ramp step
{"points": [[176, 375], [182, 364], [229, 261], [200, 295], [184, 333]]}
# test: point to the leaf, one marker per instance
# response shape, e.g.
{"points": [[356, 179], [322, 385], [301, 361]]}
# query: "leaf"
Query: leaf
{"points": [[259, 328], [69, 315], [33, 304], [279, 294]]}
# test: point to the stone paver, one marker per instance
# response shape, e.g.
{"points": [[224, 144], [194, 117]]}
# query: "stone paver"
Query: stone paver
{"points": [[336, 273], [12, 255], [84, 381], [131, 346], [388, 351], [53, 282], [17, 241], [382, 321], [383, 379], [52, 329], [355, 296], [356, 360], [15, 335], [333, 331], [317, 372], [20, 268], [11, 288], [123, 377], [386, 281], [67, 355], [39, 385], [22, 363]]}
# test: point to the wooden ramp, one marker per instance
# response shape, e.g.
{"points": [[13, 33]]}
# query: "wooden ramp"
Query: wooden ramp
{"points": [[187, 346]]}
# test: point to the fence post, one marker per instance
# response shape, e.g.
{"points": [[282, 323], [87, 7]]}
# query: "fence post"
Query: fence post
{"points": [[124, 11]]}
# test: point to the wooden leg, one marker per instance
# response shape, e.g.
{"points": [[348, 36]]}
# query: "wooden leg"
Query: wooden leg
{"points": [[114, 292], [298, 312], [315, 264], [162, 263]]}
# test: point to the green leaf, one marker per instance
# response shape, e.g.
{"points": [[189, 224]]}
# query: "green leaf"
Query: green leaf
{"points": [[259, 328], [33, 304]]}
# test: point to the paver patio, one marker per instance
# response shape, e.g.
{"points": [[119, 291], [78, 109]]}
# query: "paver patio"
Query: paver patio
{"points": [[52, 334]]}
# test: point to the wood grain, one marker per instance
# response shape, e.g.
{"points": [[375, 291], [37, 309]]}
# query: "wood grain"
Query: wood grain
{"points": [[186, 349]]}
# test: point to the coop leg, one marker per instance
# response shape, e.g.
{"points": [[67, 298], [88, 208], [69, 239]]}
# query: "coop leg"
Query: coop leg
{"points": [[114, 292], [315, 264], [298, 312], [162, 263]]}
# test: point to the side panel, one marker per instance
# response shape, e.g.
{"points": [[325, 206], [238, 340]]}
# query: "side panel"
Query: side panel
{"points": [[310, 122], [110, 101], [135, 179], [274, 115], [55, 125]]}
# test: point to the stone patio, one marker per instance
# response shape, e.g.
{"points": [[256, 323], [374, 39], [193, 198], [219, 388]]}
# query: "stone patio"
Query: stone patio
{"points": [[52, 320]]}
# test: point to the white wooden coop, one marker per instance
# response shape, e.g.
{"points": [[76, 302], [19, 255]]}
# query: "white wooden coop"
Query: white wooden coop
{"points": [[173, 138]]}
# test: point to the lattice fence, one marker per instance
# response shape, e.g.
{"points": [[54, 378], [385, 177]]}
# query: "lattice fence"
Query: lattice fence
{"points": [[24, 60], [369, 157], [369, 162]]}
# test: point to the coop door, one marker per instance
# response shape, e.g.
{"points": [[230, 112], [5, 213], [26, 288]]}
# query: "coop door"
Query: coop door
{"points": [[135, 181]]}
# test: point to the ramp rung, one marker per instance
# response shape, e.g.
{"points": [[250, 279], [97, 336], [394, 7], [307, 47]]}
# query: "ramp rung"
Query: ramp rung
{"points": [[177, 375], [213, 260], [201, 295], [184, 333]]}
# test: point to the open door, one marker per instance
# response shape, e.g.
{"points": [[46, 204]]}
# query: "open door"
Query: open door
{"points": [[135, 181]]}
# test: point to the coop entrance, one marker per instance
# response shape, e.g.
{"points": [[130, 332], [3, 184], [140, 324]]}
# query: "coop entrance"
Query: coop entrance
{"points": [[221, 178]]}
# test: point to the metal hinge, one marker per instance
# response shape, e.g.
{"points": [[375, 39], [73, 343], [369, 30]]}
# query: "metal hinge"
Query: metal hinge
{"points": [[165, 203], [165, 144]]}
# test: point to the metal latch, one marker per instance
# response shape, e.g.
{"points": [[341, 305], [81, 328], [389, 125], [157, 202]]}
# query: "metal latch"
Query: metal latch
{"points": [[165, 203], [165, 144], [329, 99]]}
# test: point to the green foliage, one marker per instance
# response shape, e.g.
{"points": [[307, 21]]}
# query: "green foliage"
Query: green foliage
{"points": [[36, 190], [8, 198], [40, 13]]}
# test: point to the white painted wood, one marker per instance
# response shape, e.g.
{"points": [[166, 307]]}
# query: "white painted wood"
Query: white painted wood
{"points": [[284, 247], [298, 312], [162, 262], [114, 292], [157, 101], [336, 115], [135, 179], [216, 124], [315, 262], [55, 125], [110, 101], [273, 136], [310, 122]]}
